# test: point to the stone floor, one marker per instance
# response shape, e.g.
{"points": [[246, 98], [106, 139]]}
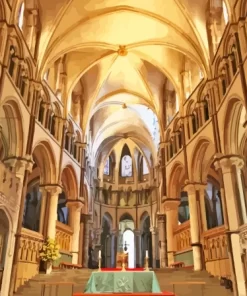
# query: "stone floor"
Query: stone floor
{"points": [[186, 282]]}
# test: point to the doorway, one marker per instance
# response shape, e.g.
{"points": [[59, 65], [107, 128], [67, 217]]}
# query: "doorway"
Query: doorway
{"points": [[129, 240]]}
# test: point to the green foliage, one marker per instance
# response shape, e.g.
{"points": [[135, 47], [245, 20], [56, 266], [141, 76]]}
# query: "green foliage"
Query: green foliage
{"points": [[50, 250]]}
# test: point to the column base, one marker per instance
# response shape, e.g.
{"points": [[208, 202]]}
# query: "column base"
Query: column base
{"points": [[197, 258], [170, 256], [74, 257]]}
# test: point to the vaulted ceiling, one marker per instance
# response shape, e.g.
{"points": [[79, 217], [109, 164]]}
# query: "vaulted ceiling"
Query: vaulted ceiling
{"points": [[122, 53]]}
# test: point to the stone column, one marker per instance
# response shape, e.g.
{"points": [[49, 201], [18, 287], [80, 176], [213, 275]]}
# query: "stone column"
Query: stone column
{"points": [[86, 239], [15, 192], [194, 226], [154, 233], [81, 240], [171, 210], [162, 240], [53, 192], [229, 167], [201, 189], [74, 217], [114, 233], [138, 247]]}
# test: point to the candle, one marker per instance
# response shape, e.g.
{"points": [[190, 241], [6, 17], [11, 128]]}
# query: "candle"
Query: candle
{"points": [[99, 253], [146, 253]]}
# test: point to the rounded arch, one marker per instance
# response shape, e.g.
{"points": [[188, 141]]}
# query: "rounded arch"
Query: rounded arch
{"points": [[12, 122], [231, 125], [177, 177], [69, 182], [43, 155], [202, 154]]}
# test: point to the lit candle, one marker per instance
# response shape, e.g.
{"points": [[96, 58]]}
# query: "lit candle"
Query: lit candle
{"points": [[146, 253], [99, 253]]}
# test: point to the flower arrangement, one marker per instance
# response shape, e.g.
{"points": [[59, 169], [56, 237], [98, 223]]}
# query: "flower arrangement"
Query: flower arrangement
{"points": [[50, 250]]}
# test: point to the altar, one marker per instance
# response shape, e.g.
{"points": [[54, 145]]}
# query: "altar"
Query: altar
{"points": [[122, 282]]}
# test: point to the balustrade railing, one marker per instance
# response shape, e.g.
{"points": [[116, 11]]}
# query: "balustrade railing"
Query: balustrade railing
{"points": [[216, 252], [28, 256], [182, 237], [63, 236]]}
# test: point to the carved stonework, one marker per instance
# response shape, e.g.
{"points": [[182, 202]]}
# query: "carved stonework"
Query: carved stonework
{"points": [[243, 238]]}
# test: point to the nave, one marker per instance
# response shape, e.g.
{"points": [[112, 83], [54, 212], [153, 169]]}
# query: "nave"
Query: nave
{"points": [[123, 134]]}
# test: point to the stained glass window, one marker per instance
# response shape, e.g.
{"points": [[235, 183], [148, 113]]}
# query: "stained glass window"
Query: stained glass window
{"points": [[126, 166], [21, 16], [107, 167], [145, 169]]}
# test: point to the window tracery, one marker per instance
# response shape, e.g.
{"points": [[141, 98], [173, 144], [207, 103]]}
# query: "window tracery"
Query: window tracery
{"points": [[21, 16], [126, 165], [107, 167]]}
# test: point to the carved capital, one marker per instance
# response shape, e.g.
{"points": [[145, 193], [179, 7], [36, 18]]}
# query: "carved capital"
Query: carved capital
{"points": [[20, 164], [171, 204], [227, 162], [161, 218], [75, 205], [52, 189]]}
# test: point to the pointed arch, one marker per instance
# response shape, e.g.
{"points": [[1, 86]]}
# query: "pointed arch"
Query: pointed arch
{"points": [[126, 162], [108, 218], [69, 182], [177, 178], [232, 125], [11, 122], [202, 155], [43, 155]]}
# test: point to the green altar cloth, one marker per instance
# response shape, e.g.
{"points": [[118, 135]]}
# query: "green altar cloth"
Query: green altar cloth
{"points": [[123, 282]]}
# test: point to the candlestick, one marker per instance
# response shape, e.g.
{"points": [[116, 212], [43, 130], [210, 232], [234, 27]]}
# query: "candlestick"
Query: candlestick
{"points": [[146, 264], [99, 264]]}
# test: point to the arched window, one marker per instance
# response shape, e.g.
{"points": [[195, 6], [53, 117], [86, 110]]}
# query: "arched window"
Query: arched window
{"points": [[21, 15], [145, 169], [225, 13], [183, 209], [213, 206], [107, 167], [62, 210], [126, 166]]}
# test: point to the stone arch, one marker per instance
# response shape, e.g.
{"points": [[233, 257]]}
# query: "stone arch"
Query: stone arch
{"points": [[107, 217], [69, 182], [201, 156], [177, 177], [232, 126], [243, 9], [126, 216], [12, 122], [57, 109], [143, 217], [2, 11], [43, 156]]}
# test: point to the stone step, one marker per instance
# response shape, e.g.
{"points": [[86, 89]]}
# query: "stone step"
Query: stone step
{"points": [[165, 278]]}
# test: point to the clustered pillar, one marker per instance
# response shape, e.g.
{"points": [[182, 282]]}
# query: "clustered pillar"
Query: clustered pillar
{"points": [[171, 210], [75, 216]]}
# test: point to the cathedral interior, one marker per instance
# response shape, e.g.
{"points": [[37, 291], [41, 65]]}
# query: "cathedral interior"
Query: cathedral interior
{"points": [[123, 126]]}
